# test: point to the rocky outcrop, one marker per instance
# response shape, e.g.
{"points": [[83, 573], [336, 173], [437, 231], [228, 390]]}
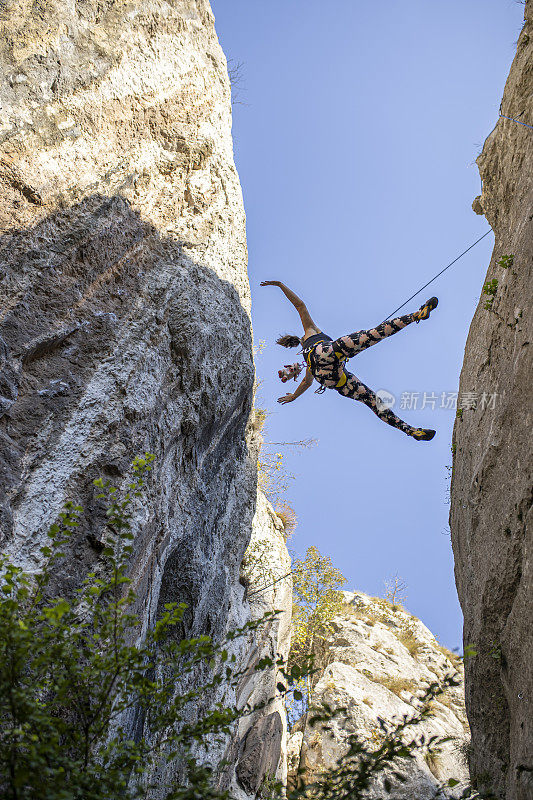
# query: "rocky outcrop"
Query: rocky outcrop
{"points": [[491, 492], [256, 753], [124, 305], [376, 661], [124, 298], [259, 748]]}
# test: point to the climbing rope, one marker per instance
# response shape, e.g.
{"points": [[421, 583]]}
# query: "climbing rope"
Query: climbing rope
{"points": [[437, 275], [517, 120], [465, 251], [269, 584]]}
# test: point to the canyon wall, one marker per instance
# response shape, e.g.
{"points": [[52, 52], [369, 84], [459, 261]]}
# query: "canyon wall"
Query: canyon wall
{"points": [[124, 301], [376, 661], [491, 493]]}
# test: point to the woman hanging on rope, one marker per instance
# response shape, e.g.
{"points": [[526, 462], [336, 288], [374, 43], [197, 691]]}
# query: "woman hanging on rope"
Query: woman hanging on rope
{"points": [[325, 359]]}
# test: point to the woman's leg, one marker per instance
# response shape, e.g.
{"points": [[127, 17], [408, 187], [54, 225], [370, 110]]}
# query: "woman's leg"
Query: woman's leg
{"points": [[355, 342], [357, 390]]}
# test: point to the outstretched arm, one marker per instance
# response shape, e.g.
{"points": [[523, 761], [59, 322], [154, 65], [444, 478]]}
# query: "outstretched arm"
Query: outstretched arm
{"points": [[309, 326], [300, 389]]}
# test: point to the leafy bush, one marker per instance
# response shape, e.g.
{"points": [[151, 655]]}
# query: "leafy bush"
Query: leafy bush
{"points": [[506, 261], [490, 288], [72, 678]]}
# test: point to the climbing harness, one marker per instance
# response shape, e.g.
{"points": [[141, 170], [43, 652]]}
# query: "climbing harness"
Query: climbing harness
{"points": [[437, 275], [308, 352]]}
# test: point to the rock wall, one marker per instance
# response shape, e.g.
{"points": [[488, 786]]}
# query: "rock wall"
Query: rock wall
{"points": [[256, 753], [376, 660], [260, 744], [491, 493], [124, 297]]}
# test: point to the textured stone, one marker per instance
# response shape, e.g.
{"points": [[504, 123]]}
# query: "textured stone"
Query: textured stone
{"points": [[376, 660], [491, 493], [124, 306], [124, 301], [266, 573], [261, 750]]}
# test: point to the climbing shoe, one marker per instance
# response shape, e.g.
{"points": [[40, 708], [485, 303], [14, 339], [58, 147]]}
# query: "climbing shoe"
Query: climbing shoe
{"points": [[423, 434], [425, 310]]}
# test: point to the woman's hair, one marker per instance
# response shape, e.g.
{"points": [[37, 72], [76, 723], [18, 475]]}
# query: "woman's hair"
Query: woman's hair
{"points": [[288, 341]]}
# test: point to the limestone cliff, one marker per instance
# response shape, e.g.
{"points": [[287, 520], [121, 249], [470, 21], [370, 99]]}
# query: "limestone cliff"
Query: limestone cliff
{"points": [[124, 297], [260, 744], [491, 491], [376, 660]]}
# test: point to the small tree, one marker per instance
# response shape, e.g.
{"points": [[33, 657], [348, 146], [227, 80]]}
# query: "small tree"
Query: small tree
{"points": [[316, 601], [396, 590]]}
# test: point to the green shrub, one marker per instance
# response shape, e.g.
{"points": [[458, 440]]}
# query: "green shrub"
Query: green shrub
{"points": [[506, 261], [490, 288], [70, 674]]}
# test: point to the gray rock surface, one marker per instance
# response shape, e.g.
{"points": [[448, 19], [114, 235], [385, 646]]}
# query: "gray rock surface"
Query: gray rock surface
{"points": [[266, 572], [261, 752], [124, 321], [491, 492], [124, 298], [377, 659]]}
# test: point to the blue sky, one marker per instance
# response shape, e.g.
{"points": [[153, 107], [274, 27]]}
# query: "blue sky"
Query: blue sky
{"points": [[355, 140]]}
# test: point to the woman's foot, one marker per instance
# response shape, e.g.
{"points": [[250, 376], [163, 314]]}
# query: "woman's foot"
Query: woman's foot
{"points": [[425, 310], [423, 434]]}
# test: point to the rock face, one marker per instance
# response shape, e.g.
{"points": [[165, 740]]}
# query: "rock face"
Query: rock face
{"points": [[124, 298], [491, 494], [124, 304], [259, 748], [378, 657]]}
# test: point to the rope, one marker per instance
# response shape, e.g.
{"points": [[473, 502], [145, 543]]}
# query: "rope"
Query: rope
{"points": [[437, 275], [269, 585], [465, 251], [517, 120]]}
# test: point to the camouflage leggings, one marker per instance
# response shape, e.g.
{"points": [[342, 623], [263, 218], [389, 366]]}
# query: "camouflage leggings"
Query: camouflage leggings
{"points": [[329, 367]]}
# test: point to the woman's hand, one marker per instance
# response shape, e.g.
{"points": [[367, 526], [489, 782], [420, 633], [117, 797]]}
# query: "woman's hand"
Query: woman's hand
{"points": [[270, 283], [287, 398]]}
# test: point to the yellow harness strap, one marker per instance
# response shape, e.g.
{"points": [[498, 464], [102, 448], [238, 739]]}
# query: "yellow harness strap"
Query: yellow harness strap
{"points": [[342, 358], [342, 381]]}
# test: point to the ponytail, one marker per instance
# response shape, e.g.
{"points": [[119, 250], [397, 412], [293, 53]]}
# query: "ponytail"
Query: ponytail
{"points": [[288, 341]]}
